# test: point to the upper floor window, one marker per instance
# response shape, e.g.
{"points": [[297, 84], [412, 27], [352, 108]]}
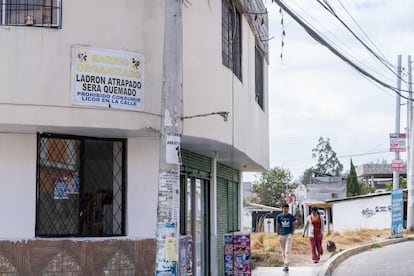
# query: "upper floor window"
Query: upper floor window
{"points": [[231, 38], [259, 78], [80, 186], [42, 13]]}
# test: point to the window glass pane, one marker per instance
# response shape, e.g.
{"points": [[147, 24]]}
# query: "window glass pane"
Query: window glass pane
{"points": [[58, 187], [197, 224], [259, 78], [236, 45], [198, 227], [231, 38], [102, 183], [31, 12], [80, 187], [188, 207]]}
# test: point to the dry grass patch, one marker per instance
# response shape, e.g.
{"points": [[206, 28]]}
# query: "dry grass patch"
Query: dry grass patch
{"points": [[266, 250]]}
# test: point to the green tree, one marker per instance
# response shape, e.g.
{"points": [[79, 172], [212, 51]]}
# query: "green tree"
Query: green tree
{"points": [[367, 189], [402, 184], [307, 177], [327, 161], [271, 187], [352, 185]]}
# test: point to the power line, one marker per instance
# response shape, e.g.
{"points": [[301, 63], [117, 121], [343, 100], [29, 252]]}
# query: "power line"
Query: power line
{"points": [[339, 156], [355, 60], [362, 154], [323, 42], [365, 34], [386, 63]]}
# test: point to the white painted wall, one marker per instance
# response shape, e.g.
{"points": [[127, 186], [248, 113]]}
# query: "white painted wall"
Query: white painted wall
{"points": [[35, 74], [18, 196], [35, 71], [142, 188], [363, 213], [217, 89], [246, 220], [18, 185]]}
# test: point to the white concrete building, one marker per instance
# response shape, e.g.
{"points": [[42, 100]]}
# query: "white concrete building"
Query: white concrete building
{"points": [[325, 188], [362, 212], [80, 113], [259, 218], [378, 175]]}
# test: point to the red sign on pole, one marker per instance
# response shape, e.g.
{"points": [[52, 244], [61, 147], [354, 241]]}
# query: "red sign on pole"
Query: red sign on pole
{"points": [[397, 142], [397, 165]]}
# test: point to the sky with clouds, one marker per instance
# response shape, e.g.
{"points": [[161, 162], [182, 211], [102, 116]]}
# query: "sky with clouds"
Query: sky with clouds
{"points": [[313, 93]]}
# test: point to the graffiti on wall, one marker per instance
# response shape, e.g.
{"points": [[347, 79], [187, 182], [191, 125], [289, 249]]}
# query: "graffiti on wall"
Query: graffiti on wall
{"points": [[367, 213]]}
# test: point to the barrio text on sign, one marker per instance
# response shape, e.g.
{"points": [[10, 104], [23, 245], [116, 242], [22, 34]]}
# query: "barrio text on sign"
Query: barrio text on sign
{"points": [[107, 78]]}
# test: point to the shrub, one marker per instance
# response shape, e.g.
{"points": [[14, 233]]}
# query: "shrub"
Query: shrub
{"points": [[376, 245]]}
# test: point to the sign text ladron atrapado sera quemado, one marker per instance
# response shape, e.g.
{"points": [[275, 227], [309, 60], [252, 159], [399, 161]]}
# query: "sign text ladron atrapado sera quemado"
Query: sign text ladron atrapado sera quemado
{"points": [[107, 78]]}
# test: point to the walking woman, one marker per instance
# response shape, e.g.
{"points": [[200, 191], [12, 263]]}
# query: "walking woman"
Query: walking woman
{"points": [[313, 229]]}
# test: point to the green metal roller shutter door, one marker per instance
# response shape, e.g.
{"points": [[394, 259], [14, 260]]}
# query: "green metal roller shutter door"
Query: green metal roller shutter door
{"points": [[195, 165], [227, 207], [227, 195]]}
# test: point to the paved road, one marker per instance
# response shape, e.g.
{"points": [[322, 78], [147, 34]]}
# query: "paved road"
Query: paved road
{"points": [[391, 260]]}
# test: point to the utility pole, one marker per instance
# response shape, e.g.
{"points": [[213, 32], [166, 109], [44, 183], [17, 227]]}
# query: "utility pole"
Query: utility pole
{"points": [[409, 122], [168, 210], [396, 174], [410, 169]]}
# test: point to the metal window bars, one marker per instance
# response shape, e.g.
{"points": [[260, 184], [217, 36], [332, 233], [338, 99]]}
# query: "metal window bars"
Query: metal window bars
{"points": [[43, 13], [80, 186]]}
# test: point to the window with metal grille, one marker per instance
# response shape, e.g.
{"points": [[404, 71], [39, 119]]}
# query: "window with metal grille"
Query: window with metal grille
{"points": [[231, 38], [42, 13], [259, 78], [80, 186]]}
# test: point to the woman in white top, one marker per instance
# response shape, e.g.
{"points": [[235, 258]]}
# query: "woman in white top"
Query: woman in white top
{"points": [[314, 227]]}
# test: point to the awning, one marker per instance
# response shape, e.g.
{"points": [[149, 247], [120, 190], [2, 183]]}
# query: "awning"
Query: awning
{"points": [[319, 204]]}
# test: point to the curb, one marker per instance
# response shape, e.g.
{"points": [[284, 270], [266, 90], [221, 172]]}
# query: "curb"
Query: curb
{"points": [[334, 261]]}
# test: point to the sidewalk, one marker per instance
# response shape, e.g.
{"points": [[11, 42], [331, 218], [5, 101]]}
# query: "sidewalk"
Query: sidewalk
{"points": [[307, 269], [293, 271]]}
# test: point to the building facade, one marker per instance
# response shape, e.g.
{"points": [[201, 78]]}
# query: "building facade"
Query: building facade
{"points": [[373, 211], [80, 117], [378, 175], [325, 188]]}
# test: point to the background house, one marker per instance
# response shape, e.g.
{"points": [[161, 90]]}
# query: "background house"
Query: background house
{"points": [[377, 175], [372, 211], [259, 218], [326, 187]]}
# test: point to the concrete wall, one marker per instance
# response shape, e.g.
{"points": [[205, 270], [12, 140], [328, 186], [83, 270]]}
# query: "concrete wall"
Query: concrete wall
{"points": [[142, 189], [37, 90], [218, 89], [364, 213], [37, 86], [18, 200], [18, 185], [35, 72]]}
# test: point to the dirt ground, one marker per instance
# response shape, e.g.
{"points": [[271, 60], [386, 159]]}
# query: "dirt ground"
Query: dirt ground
{"points": [[266, 250]]}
